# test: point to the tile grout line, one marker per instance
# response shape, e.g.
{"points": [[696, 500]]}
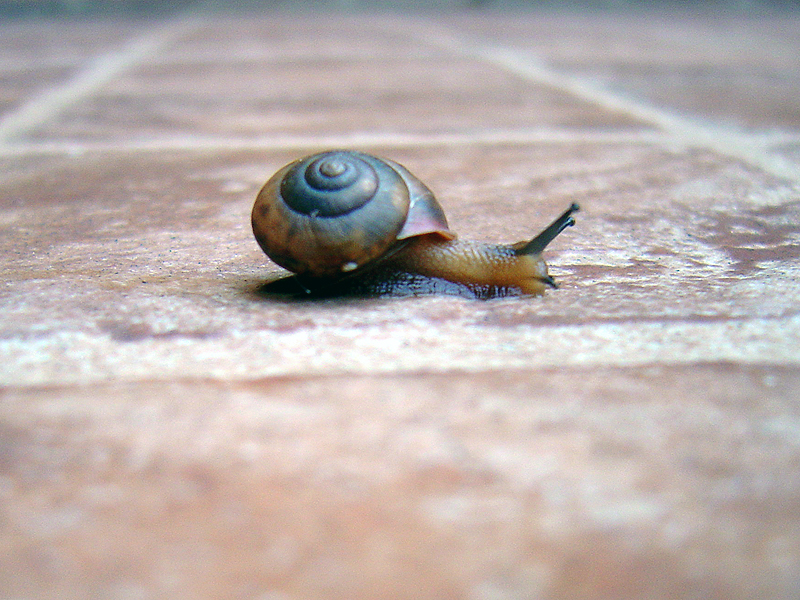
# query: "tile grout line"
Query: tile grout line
{"points": [[362, 140], [366, 140], [687, 132], [99, 71], [70, 357]]}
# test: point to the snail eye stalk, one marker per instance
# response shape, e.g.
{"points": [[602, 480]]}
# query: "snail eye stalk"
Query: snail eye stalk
{"points": [[541, 241]]}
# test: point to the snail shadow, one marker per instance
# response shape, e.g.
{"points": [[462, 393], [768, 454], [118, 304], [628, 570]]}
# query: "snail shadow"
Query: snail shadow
{"points": [[379, 284]]}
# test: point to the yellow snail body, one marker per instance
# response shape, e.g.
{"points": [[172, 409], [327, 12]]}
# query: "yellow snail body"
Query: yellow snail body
{"points": [[338, 214]]}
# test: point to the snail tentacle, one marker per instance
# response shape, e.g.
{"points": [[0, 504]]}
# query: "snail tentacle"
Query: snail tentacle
{"points": [[543, 239]]}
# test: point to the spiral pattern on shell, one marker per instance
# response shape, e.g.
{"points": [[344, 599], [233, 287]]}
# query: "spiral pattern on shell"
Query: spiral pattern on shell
{"points": [[330, 213]]}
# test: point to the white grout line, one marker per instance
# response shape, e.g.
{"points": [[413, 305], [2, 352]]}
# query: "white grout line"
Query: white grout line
{"points": [[356, 140], [79, 357], [263, 57], [100, 71], [688, 132], [543, 135]]}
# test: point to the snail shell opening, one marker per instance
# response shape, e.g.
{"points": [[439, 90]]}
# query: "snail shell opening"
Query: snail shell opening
{"points": [[330, 213]]}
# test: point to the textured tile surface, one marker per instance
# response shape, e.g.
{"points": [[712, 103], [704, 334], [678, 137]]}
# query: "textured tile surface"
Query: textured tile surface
{"points": [[553, 483], [169, 431], [736, 71], [270, 95], [156, 249]]}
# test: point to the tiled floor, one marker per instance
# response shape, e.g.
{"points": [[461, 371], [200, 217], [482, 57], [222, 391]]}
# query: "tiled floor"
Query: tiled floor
{"points": [[167, 431]]}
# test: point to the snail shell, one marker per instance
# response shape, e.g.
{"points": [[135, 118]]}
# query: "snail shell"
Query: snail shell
{"points": [[337, 213]]}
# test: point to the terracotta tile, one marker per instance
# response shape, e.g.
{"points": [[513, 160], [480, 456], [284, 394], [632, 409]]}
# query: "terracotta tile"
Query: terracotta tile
{"points": [[737, 70], [601, 483], [266, 36], [758, 98], [36, 56], [43, 42], [582, 38], [18, 86], [318, 96], [153, 250]]}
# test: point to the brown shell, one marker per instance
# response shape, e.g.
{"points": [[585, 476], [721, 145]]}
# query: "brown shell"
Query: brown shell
{"points": [[305, 229]]}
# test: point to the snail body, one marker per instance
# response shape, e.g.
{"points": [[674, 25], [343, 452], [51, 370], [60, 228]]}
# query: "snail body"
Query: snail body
{"points": [[338, 214]]}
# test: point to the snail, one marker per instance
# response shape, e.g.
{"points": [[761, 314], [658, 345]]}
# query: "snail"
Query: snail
{"points": [[336, 215]]}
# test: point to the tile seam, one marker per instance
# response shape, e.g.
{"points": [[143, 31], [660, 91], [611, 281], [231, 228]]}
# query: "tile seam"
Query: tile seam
{"points": [[685, 131], [292, 142], [268, 58], [99, 71], [85, 358], [365, 140]]}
